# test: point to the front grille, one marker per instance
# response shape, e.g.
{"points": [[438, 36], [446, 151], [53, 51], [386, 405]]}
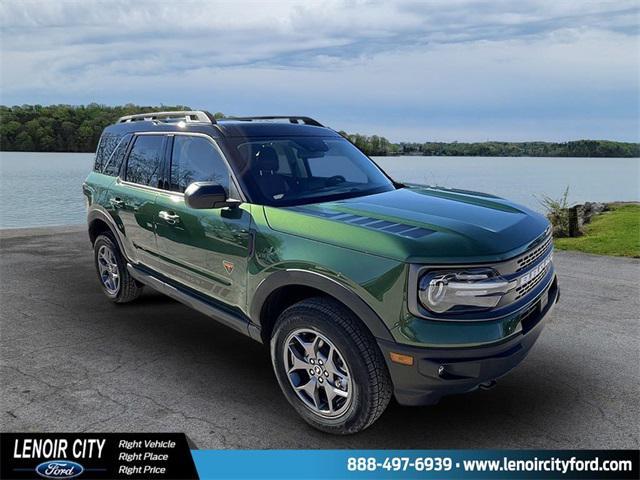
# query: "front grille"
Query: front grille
{"points": [[532, 255], [522, 290]]}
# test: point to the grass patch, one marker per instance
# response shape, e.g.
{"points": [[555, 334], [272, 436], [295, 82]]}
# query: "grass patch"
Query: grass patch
{"points": [[616, 232]]}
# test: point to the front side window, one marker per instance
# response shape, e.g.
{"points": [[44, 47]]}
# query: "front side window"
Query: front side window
{"points": [[143, 165], [196, 159], [292, 171]]}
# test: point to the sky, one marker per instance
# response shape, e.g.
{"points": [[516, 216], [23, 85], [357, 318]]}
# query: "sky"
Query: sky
{"points": [[409, 70]]}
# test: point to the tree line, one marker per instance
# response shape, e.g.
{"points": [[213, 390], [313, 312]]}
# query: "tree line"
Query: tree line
{"points": [[62, 128], [375, 145], [68, 128]]}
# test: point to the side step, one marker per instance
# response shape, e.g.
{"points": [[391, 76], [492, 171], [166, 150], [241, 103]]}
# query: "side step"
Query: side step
{"points": [[236, 322]]}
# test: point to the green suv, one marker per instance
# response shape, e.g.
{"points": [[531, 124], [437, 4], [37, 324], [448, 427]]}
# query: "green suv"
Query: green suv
{"points": [[364, 288]]}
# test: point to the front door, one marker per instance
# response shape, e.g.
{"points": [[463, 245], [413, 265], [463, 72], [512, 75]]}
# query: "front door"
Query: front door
{"points": [[206, 250]]}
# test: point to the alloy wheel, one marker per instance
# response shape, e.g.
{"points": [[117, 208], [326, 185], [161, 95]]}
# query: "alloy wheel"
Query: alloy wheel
{"points": [[108, 268], [318, 373]]}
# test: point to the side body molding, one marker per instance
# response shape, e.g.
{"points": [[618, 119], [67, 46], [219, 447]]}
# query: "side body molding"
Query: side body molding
{"points": [[325, 284]]}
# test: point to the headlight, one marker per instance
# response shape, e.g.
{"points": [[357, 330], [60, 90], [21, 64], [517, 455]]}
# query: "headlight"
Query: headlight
{"points": [[441, 291]]}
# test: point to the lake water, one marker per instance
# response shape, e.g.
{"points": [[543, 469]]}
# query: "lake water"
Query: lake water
{"points": [[44, 189]]}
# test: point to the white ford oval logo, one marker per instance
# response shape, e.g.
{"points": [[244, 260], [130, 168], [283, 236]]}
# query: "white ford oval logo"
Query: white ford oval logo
{"points": [[59, 469]]}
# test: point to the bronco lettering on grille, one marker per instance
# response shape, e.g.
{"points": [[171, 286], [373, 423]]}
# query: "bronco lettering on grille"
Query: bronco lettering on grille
{"points": [[533, 273]]}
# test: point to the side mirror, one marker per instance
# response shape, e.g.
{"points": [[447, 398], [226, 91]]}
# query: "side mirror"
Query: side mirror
{"points": [[202, 195]]}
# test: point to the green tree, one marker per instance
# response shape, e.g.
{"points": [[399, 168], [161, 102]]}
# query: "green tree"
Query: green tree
{"points": [[24, 143]]}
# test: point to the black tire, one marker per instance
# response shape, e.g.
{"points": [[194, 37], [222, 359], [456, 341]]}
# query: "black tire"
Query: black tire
{"points": [[128, 289], [370, 381]]}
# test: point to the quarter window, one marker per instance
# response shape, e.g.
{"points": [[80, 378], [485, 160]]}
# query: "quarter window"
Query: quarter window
{"points": [[143, 165], [108, 142], [112, 165], [195, 159]]}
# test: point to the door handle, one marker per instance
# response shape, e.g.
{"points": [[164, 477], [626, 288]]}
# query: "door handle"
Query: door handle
{"points": [[117, 202], [168, 217]]}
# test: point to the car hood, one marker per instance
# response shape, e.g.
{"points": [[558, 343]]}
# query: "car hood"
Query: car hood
{"points": [[418, 224]]}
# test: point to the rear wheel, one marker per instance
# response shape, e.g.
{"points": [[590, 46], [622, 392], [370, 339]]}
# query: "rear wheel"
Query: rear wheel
{"points": [[117, 284], [329, 366]]}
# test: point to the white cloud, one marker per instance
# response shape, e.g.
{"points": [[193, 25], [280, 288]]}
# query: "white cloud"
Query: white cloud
{"points": [[538, 69]]}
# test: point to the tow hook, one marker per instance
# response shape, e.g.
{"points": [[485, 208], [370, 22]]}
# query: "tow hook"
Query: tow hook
{"points": [[487, 385]]}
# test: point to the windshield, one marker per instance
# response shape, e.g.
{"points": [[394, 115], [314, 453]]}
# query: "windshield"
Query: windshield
{"points": [[297, 170]]}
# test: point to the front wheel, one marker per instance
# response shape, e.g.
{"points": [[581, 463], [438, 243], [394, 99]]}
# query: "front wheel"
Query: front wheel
{"points": [[329, 366]]}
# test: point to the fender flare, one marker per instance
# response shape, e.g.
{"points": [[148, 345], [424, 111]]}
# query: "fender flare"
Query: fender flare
{"points": [[108, 220], [325, 284]]}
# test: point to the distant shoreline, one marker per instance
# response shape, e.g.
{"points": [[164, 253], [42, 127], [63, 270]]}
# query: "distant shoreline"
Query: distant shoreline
{"points": [[399, 155], [77, 129]]}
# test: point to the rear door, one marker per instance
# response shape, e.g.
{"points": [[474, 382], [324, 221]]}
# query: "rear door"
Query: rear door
{"points": [[132, 197], [206, 250]]}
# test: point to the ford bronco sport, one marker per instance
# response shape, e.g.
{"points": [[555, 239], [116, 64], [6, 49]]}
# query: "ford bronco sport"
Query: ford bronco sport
{"points": [[282, 229]]}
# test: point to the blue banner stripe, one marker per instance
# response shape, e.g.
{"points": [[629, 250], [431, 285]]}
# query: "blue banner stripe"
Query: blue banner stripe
{"points": [[410, 464]]}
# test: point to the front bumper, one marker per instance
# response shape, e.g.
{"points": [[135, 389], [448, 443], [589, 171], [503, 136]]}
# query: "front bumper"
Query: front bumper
{"points": [[437, 372]]}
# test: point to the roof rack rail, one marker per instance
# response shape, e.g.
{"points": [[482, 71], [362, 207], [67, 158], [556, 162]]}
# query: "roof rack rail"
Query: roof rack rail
{"points": [[178, 115], [292, 119]]}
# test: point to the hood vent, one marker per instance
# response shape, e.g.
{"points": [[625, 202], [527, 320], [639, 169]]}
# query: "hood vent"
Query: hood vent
{"points": [[409, 231]]}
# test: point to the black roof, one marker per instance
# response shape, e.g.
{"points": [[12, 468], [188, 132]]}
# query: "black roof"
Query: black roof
{"points": [[234, 128], [226, 128]]}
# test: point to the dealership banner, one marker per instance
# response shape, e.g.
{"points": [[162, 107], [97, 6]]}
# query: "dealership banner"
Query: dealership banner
{"points": [[172, 456], [96, 455]]}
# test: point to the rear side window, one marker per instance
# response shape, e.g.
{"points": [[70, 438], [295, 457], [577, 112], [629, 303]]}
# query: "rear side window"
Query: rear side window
{"points": [[196, 159], [106, 146], [143, 165], [113, 163]]}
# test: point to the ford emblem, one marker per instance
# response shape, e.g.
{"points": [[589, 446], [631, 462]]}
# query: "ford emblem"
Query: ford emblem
{"points": [[59, 469]]}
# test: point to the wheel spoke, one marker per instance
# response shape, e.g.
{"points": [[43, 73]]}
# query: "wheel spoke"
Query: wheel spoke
{"points": [[328, 361], [344, 379], [340, 393], [315, 345], [331, 395], [310, 348], [309, 388], [333, 369], [296, 363], [316, 396]]}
